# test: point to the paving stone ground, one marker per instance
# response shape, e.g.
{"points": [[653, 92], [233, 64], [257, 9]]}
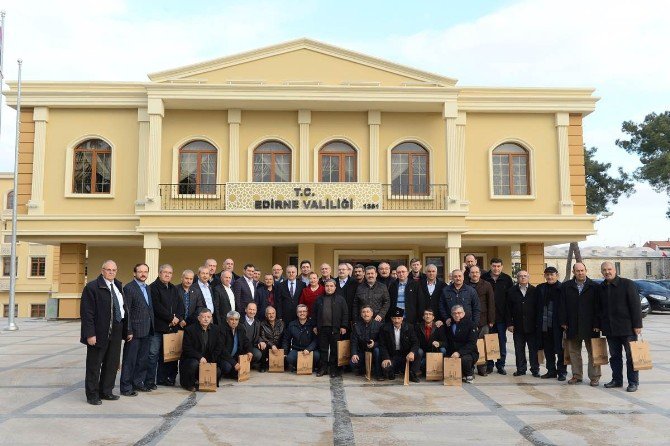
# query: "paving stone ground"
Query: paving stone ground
{"points": [[42, 402]]}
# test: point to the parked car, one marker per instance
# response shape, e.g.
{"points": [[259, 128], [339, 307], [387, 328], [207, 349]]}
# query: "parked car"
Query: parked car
{"points": [[665, 283], [644, 302], [658, 297]]}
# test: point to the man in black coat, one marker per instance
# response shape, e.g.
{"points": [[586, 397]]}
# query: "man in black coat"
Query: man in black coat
{"points": [[384, 274], [432, 338], [104, 323], [204, 295], [458, 293], [186, 292], [289, 295], [461, 342], [300, 339], [141, 325], [244, 288], [500, 282], [619, 314], [430, 292], [332, 321], [549, 331], [202, 344], [168, 308], [578, 317], [398, 344], [214, 278], [365, 338], [404, 293], [224, 295], [235, 343], [521, 321], [346, 286]]}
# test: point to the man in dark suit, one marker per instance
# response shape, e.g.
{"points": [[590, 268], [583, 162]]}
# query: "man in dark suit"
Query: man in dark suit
{"points": [[141, 325], [365, 338], [289, 295], [500, 282], [462, 341], [185, 291], [224, 295], [235, 343], [300, 339], [103, 325], [266, 295], [244, 288], [168, 308], [521, 321], [431, 337], [619, 315], [214, 278], [202, 344], [549, 331], [430, 292], [277, 274], [331, 316], [404, 293], [205, 296], [398, 344], [252, 328]]}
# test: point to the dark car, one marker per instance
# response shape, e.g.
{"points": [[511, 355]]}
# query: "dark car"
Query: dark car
{"points": [[644, 303], [665, 283], [658, 297]]}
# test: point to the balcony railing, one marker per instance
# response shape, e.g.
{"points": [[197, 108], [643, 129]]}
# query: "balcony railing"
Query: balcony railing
{"points": [[212, 197]]}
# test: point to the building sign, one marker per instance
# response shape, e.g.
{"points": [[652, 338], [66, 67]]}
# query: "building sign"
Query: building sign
{"points": [[294, 197]]}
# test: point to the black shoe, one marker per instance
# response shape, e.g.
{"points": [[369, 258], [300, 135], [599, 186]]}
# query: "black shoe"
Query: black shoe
{"points": [[94, 401], [489, 370], [535, 374], [631, 388], [518, 373], [142, 389], [334, 374], [321, 372], [414, 378], [262, 370], [612, 384], [151, 386], [561, 377], [131, 393], [162, 383], [169, 382], [549, 375], [110, 397], [502, 371]]}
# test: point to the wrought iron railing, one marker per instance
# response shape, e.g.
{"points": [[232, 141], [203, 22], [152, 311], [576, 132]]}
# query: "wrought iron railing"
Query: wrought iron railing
{"points": [[427, 197]]}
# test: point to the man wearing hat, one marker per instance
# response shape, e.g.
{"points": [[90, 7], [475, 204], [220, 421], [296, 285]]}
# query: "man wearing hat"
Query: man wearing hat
{"points": [[398, 344], [549, 330]]}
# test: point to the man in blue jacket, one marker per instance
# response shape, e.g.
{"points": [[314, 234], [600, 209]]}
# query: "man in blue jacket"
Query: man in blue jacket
{"points": [[458, 293], [300, 339]]}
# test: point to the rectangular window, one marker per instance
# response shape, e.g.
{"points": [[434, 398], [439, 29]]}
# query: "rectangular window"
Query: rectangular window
{"points": [[38, 266], [6, 263], [649, 268], [617, 267], [37, 310], [5, 310]]}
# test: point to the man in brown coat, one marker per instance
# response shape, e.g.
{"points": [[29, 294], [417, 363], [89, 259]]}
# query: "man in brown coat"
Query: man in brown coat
{"points": [[487, 307]]}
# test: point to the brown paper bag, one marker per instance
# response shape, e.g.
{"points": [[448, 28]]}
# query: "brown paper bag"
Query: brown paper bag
{"points": [[406, 381], [434, 367], [641, 356], [599, 349], [245, 369], [305, 363], [343, 352], [540, 357], [276, 360], [452, 372], [481, 347], [172, 346], [492, 344], [368, 366], [566, 352], [207, 377]]}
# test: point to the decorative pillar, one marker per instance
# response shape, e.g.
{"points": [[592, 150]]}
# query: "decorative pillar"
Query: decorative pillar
{"points": [[234, 121], [565, 204], [36, 202], [152, 249], [304, 120], [460, 160], [142, 149], [532, 260], [453, 246], [72, 278], [156, 113], [450, 114], [374, 121]]}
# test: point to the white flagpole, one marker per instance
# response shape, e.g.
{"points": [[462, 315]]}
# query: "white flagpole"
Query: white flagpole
{"points": [[11, 325]]}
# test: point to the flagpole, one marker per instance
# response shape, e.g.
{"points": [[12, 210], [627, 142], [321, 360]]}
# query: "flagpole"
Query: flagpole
{"points": [[11, 325]]}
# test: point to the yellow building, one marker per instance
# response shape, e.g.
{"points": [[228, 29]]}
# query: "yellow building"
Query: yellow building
{"points": [[35, 267], [299, 150]]}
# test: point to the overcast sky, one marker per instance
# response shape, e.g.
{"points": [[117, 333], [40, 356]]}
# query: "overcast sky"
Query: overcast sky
{"points": [[617, 47]]}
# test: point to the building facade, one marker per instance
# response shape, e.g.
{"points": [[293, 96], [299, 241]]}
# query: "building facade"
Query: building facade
{"points": [[301, 150], [36, 270]]}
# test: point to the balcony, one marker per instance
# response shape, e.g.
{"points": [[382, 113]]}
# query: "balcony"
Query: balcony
{"points": [[287, 197]]}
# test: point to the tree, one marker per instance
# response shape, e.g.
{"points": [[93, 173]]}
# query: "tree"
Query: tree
{"points": [[602, 190], [651, 141]]}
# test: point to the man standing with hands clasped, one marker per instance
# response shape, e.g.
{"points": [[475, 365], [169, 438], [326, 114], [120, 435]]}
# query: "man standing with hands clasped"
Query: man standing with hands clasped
{"points": [[103, 323], [619, 315]]}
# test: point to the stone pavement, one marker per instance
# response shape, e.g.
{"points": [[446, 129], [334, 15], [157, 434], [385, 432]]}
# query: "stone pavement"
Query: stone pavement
{"points": [[42, 402]]}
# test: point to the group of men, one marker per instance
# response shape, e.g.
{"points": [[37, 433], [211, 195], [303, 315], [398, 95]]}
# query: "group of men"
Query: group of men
{"points": [[399, 320]]}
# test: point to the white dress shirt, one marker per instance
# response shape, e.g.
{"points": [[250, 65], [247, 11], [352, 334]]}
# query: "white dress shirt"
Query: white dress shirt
{"points": [[431, 287], [119, 297], [252, 287], [397, 337], [231, 298], [207, 294]]}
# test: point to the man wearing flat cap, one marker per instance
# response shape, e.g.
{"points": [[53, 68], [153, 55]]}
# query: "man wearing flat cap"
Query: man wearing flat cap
{"points": [[398, 344], [549, 330]]}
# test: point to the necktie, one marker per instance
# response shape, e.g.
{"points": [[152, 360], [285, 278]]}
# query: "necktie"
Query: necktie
{"points": [[146, 295], [115, 303], [187, 301], [290, 288]]}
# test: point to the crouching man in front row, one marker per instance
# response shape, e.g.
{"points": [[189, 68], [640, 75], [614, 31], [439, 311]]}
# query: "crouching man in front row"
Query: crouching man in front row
{"points": [[462, 337], [365, 338], [235, 343], [300, 339], [202, 344], [398, 344]]}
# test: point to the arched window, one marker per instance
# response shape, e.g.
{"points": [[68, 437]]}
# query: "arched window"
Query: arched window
{"points": [[510, 170], [409, 169], [197, 168], [272, 163], [92, 173], [337, 161], [10, 200]]}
